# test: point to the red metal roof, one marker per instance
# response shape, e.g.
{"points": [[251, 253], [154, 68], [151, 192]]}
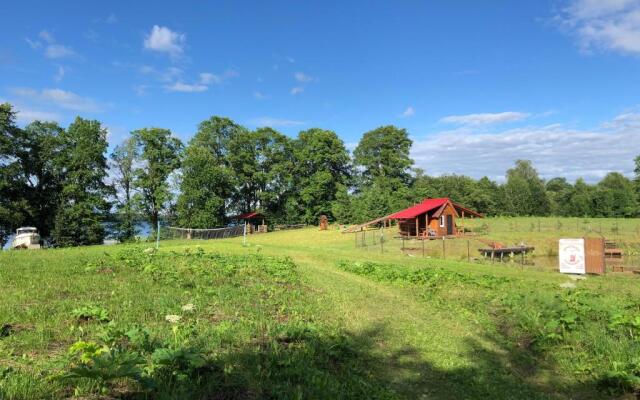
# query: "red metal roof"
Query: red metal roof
{"points": [[248, 215], [426, 206]]}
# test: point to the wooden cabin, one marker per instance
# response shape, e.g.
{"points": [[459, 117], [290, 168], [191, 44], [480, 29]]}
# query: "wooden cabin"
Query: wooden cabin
{"points": [[255, 221], [433, 218]]}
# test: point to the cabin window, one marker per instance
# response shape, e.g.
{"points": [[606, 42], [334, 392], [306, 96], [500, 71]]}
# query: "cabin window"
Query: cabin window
{"points": [[442, 221]]}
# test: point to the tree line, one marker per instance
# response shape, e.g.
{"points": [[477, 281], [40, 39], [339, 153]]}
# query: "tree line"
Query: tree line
{"points": [[64, 182]]}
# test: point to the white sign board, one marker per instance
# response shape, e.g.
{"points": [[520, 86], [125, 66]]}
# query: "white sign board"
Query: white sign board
{"points": [[571, 256]]}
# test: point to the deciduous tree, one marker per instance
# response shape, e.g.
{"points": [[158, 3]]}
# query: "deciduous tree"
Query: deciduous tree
{"points": [[207, 181], [159, 156], [83, 206], [123, 161]]}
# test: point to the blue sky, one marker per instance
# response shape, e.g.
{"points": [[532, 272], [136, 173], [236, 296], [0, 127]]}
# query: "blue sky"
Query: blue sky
{"points": [[477, 84]]}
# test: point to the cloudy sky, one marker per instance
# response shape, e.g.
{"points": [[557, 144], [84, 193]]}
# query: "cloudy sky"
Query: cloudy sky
{"points": [[477, 84]]}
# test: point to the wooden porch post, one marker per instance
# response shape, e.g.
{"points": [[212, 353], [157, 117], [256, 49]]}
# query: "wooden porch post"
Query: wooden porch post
{"points": [[417, 227], [463, 231], [426, 223]]}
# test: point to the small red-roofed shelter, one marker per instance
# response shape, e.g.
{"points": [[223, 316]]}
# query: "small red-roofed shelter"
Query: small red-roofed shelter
{"points": [[433, 218], [255, 221]]}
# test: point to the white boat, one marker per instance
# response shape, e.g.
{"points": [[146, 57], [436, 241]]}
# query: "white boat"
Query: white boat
{"points": [[26, 238]]}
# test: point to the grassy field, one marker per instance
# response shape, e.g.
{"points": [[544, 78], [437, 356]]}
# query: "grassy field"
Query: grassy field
{"points": [[304, 314], [541, 233]]}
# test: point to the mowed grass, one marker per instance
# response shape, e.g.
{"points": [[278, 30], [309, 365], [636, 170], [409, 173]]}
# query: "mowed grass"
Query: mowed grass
{"points": [[304, 314]]}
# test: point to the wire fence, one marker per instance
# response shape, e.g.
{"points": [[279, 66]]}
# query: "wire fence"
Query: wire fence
{"points": [[603, 226], [540, 254], [171, 232]]}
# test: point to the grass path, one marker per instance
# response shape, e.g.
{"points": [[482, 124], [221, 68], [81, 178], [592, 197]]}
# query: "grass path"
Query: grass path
{"points": [[423, 350]]}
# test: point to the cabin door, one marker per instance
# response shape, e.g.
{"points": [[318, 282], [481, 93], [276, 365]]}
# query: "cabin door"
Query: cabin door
{"points": [[449, 224]]}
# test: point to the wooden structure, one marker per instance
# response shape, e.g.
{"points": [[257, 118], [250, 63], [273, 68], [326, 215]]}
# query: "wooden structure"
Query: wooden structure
{"points": [[255, 222], [433, 218], [594, 254], [500, 252], [385, 221], [324, 223], [611, 249]]}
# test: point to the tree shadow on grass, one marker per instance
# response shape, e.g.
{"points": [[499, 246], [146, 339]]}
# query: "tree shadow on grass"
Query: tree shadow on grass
{"points": [[311, 364]]}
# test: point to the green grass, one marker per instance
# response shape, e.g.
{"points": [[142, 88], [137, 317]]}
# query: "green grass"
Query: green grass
{"points": [[304, 314]]}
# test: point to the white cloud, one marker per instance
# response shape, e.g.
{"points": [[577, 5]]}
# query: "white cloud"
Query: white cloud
{"points": [[59, 98], [554, 149], [165, 40], [606, 24], [34, 44], [111, 19], [485, 118], [59, 74], [258, 95], [52, 49], [301, 77], [409, 112], [187, 88], [207, 78], [46, 36], [26, 116], [274, 122], [140, 90], [291, 60], [297, 90], [55, 51]]}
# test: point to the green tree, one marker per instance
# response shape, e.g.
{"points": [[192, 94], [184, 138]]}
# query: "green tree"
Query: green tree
{"points": [[524, 190], [159, 156], [207, 177], [384, 165], [262, 161], [83, 206], [123, 161], [581, 200], [615, 196], [559, 192], [383, 154], [13, 202], [321, 166]]}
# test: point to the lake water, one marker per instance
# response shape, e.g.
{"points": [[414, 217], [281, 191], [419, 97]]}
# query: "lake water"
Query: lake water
{"points": [[551, 263]]}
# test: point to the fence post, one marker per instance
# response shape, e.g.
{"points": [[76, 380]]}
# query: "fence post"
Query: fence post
{"points": [[158, 234], [244, 234]]}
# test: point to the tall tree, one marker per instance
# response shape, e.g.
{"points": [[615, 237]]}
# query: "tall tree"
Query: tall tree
{"points": [[29, 173], [559, 192], [383, 153], [322, 165], [384, 165], [262, 164], [615, 196], [581, 200], [207, 177], [123, 161], [12, 197], [525, 191], [83, 165], [159, 156]]}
